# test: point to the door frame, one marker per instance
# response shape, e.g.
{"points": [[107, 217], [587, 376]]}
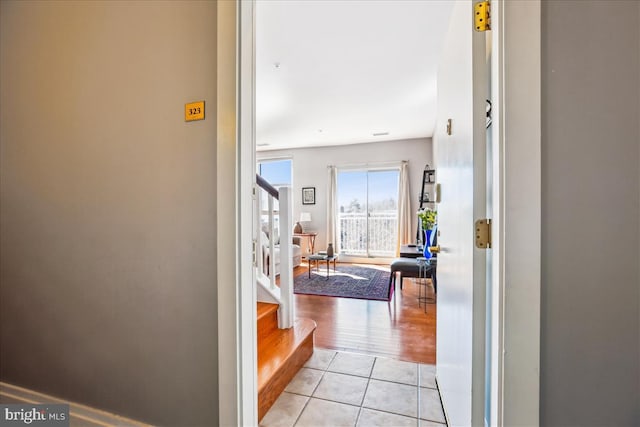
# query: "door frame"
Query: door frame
{"points": [[517, 139], [235, 158], [517, 225]]}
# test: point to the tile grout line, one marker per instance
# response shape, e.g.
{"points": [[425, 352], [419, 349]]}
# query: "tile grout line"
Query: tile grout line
{"points": [[324, 399], [378, 379], [364, 407], [418, 391], [386, 411], [360, 407], [369, 378], [365, 390], [324, 371], [419, 405], [373, 353], [419, 394], [446, 420], [439, 401]]}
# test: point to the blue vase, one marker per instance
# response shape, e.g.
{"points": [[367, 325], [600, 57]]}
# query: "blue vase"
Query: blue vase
{"points": [[428, 235]]}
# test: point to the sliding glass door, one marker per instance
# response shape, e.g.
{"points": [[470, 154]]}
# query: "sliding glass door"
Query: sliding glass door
{"points": [[368, 212]]}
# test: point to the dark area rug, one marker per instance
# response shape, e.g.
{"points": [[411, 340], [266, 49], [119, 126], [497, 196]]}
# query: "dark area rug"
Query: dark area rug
{"points": [[347, 281]]}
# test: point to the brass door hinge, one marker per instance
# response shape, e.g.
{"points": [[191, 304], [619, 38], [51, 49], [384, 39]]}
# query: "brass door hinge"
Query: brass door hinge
{"points": [[483, 233], [482, 16]]}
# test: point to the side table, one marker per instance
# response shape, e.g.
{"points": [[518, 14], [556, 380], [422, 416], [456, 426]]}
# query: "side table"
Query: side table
{"points": [[410, 251], [311, 236], [317, 258]]}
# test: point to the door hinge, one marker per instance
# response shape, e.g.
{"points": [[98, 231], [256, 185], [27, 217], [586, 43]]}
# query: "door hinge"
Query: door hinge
{"points": [[483, 233], [255, 245], [482, 16]]}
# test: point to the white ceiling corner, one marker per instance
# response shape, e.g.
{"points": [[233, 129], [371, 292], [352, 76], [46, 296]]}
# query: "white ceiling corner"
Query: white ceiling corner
{"points": [[346, 70]]}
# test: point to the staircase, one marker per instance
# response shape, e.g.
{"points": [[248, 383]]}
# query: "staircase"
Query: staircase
{"points": [[284, 342], [281, 353]]}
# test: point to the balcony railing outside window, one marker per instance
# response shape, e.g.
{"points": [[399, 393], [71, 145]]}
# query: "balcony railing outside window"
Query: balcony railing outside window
{"points": [[382, 233]]}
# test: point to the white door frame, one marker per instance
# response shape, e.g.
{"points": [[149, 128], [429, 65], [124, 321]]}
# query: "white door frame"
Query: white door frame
{"points": [[517, 121], [237, 353], [517, 222]]}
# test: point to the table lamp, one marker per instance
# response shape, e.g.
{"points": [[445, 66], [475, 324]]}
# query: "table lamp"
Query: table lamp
{"points": [[304, 217]]}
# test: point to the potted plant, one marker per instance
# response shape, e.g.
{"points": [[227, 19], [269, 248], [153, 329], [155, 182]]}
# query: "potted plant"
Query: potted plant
{"points": [[427, 217]]}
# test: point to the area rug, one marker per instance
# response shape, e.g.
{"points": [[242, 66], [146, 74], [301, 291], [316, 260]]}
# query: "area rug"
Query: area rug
{"points": [[348, 281]]}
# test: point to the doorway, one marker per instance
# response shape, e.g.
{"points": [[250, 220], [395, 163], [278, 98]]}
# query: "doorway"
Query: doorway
{"points": [[525, 25]]}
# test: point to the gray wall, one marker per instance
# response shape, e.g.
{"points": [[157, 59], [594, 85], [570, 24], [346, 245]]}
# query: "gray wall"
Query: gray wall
{"points": [[108, 206], [590, 214]]}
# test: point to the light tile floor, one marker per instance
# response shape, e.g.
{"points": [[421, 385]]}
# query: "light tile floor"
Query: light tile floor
{"points": [[346, 389]]}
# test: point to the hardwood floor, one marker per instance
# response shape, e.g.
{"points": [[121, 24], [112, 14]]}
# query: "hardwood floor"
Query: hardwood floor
{"points": [[398, 329]]}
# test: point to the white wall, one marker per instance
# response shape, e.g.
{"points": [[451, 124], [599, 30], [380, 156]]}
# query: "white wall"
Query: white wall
{"points": [[310, 170], [108, 292], [590, 335]]}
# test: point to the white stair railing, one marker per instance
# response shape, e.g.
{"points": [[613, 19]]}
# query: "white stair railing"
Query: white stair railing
{"points": [[278, 221], [272, 247], [286, 314]]}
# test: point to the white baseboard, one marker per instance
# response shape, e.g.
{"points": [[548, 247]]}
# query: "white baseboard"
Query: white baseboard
{"points": [[79, 415]]}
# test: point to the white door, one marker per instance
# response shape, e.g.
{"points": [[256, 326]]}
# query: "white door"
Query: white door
{"points": [[460, 161]]}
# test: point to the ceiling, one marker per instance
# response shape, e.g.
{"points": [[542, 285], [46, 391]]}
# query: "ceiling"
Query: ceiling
{"points": [[333, 73]]}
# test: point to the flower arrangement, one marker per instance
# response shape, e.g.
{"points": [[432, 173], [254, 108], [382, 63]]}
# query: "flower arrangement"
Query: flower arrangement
{"points": [[428, 218]]}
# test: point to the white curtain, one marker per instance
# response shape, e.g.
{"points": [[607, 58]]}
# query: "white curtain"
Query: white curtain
{"points": [[332, 206], [405, 215]]}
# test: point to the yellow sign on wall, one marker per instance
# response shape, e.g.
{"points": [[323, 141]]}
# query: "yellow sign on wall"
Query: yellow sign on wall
{"points": [[194, 111]]}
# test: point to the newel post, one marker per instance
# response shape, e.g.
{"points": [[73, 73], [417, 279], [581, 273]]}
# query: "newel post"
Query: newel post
{"points": [[286, 263]]}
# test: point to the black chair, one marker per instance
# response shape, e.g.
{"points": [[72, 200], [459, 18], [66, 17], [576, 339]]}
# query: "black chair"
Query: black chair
{"points": [[410, 267]]}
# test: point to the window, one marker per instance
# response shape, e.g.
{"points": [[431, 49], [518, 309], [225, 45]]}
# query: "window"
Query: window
{"points": [[277, 173], [368, 212]]}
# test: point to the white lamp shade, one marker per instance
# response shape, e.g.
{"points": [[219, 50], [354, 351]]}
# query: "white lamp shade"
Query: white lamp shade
{"points": [[305, 217]]}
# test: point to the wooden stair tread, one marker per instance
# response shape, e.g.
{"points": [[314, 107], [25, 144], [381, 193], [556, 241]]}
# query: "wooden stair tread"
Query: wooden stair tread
{"points": [[267, 315], [276, 348], [265, 309]]}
